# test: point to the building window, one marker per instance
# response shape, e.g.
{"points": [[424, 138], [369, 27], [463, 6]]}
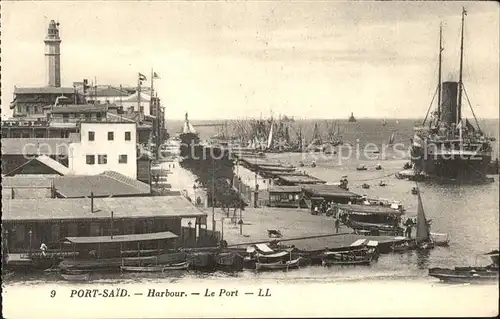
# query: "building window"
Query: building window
{"points": [[127, 136], [122, 159], [90, 159], [91, 136], [65, 117], [102, 159], [111, 136], [99, 116], [141, 109], [88, 117]]}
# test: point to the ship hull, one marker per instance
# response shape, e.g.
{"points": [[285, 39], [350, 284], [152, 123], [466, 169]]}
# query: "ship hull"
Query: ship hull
{"points": [[461, 167]]}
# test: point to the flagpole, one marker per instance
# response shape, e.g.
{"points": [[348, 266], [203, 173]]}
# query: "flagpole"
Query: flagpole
{"points": [[139, 95]]}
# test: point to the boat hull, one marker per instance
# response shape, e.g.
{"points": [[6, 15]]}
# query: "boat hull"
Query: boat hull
{"points": [[451, 168], [76, 277], [111, 264], [463, 276], [280, 265], [160, 268]]}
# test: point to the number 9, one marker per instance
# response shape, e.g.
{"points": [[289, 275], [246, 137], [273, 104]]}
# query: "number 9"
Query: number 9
{"points": [[52, 294]]}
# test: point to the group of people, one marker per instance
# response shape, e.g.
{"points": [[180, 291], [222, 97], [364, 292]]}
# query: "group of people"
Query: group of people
{"points": [[330, 209]]}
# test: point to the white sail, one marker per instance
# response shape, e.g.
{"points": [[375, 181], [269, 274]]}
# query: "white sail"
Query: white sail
{"points": [[423, 233], [270, 137], [391, 139]]}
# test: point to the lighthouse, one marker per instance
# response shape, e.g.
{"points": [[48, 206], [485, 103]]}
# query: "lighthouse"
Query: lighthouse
{"points": [[53, 55]]}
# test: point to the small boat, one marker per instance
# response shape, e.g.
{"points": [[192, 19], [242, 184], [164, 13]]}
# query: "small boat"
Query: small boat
{"points": [[361, 168], [202, 260], [345, 258], [465, 274], [76, 276], [263, 257], [414, 191], [378, 167], [229, 261], [442, 240], [313, 164], [366, 186], [400, 247], [156, 268], [407, 165], [382, 183], [279, 265]]}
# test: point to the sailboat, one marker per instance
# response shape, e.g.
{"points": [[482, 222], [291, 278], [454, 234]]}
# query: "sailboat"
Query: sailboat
{"points": [[424, 238], [391, 139], [384, 122], [270, 137]]}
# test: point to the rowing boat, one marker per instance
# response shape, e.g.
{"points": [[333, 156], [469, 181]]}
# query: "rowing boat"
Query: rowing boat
{"points": [[158, 268], [278, 265], [76, 276], [464, 276]]}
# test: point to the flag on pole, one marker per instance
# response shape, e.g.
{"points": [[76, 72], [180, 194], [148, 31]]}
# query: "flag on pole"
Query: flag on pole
{"points": [[142, 78], [155, 75]]}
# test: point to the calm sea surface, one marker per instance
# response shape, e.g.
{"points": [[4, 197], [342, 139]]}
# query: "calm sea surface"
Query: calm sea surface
{"points": [[469, 214]]}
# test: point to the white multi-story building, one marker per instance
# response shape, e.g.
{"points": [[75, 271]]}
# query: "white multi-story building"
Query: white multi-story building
{"points": [[104, 146]]}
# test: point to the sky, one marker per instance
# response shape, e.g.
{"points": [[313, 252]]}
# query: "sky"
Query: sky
{"points": [[227, 60]]}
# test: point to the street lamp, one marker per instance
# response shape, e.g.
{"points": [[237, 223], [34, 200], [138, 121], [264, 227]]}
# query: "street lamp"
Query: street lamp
{"points": [[222, 228], [6, 242], [30, 232], [194, 191], [189, 224]]}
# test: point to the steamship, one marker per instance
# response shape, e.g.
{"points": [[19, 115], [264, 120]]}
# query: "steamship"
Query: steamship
{"points": [[448, 148]]}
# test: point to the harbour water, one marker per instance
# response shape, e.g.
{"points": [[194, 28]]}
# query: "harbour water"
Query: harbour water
{"points": [[467, 213]]}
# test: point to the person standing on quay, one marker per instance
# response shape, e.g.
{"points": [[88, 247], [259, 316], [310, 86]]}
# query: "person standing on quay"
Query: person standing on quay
{"points": [[43, 248], [337, 225]]}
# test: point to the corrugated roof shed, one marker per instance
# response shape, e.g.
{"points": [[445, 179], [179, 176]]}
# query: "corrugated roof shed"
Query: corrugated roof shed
{"points": [[285, 189], [44, 90], [79, 208], [35, 146], [328, 190], [300, 179], [80, 108], [26, 182], [370, 209], [121, 238], [109, 183]]}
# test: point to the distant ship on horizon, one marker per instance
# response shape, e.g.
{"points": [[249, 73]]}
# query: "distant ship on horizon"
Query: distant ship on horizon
{"points": [[352, 118]]}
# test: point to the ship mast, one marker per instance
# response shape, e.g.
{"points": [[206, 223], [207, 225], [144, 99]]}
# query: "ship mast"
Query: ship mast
{"points": [[440, 72], [460, 83]]}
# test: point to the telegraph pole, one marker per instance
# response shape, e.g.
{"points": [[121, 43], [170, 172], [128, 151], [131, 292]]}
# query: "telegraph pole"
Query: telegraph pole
{"points": [[213, 195]]}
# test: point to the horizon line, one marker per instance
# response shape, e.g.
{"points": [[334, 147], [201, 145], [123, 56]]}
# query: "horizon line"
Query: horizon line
{"points": [[317, 119]]}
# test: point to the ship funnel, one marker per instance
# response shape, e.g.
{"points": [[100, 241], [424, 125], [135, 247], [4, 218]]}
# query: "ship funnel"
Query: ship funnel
{"points": [[449, 102]]}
